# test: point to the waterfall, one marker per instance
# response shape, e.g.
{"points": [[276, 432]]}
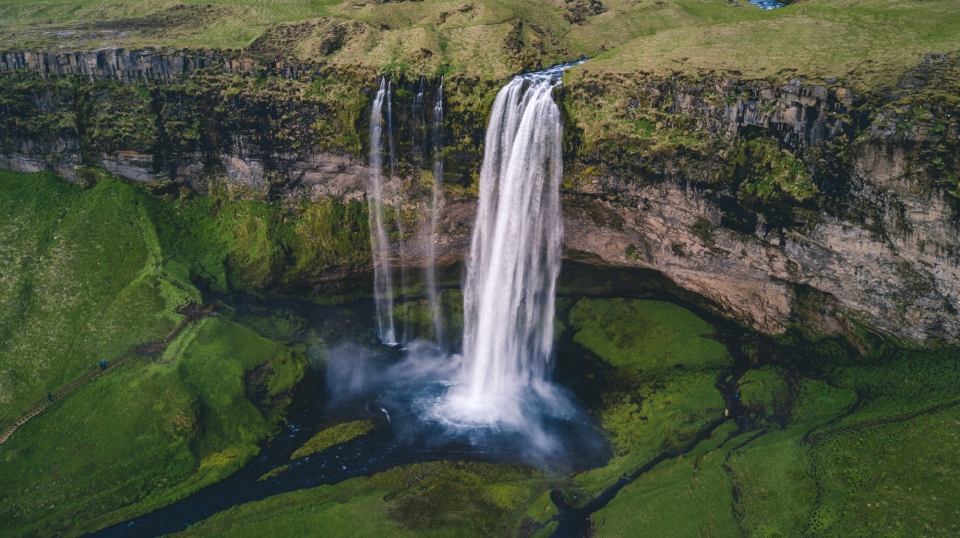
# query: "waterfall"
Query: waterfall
{"points": [[514, 254], [418, 128], [432, 292], [398, 217], [379, 241]]}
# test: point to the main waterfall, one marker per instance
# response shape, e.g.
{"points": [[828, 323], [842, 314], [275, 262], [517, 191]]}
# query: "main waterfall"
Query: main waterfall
{"points": [[514, 257], [500, 380], [379, 239]]}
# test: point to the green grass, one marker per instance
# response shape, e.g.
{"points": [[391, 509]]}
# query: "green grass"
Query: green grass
{"points": [[686, 496], [662, 390], [144, 435], [542, 508], [892, 479], [861, 42], [84, 284], [871, 453], [89, 275], [776, 484], [648, 337], [777, 493], [764, 392], [661, 416], [431, 499], [276, 471], [815, 38], [881, 463], [332, 436], [104, 446]]}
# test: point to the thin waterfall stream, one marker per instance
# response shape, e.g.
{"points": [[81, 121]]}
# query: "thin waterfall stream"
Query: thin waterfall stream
{"points": [[379, 239], [431, 269], [398, 217]]}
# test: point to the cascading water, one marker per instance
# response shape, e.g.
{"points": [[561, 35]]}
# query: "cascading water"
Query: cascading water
{"points": [[432, 291], [500, 380], [379, 241], [398, 222], [514, 257]]}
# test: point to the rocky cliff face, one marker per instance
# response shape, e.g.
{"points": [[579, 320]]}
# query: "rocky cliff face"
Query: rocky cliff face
{"points": [[779, 203]]}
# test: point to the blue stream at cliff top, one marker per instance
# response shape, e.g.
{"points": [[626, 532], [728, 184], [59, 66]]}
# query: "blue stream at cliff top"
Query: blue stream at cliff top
{"points": [[767, 4]]}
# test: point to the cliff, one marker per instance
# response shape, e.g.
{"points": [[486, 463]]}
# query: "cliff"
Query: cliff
{"points": [[780, 202]]}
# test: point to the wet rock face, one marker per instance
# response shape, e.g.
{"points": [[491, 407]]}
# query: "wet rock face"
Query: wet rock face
{"points": [[877, 243]]}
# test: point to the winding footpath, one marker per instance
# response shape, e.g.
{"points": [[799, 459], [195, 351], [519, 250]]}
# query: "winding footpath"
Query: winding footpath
{"points": [[192, 312]]}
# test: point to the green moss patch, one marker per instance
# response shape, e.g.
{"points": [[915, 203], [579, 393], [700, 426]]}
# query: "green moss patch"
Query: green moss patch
{"points": [[143, 435], [276, 471], [686, 496], [335, 435], [419, 316], [764, 392], [431, 499], [891, 478], [646, 336], [663, 387]]}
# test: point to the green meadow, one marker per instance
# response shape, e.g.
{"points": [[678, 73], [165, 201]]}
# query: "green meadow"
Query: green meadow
{"points": [[89, 274], [864, 41]]}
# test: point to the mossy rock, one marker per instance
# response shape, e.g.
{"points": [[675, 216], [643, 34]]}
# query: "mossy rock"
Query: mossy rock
{"points": [[332, 436]]}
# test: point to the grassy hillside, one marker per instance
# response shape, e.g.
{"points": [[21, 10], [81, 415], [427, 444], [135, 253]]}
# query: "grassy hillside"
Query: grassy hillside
{"points": [[88, 275], [815, 38], [493, 37], [859, 42]]}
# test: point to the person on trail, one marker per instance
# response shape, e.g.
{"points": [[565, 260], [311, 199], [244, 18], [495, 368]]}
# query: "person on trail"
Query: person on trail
{"points": [[50, 397], [103, 365]]}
